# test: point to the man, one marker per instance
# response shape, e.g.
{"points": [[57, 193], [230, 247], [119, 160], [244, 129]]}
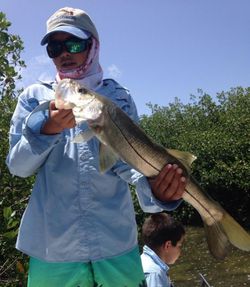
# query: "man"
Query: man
{"points": [[163, 238], [79, 226]]}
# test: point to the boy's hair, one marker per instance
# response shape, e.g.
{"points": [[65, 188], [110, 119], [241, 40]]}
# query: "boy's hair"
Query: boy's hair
{"points": [[159, 228]]}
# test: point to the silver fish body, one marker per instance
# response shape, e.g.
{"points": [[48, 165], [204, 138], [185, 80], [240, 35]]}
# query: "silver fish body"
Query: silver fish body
{"points": [[124, 139]]}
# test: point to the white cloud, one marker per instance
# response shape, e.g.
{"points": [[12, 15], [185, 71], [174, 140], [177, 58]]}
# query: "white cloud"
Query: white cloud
{"points": [[114, 71], [38, 68]]}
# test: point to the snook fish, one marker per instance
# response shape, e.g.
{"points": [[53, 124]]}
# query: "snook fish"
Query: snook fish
{"points": [[121, 138]]}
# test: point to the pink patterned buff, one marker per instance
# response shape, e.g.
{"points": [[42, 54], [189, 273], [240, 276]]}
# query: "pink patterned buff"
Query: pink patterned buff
{"points": [[90, 74]]}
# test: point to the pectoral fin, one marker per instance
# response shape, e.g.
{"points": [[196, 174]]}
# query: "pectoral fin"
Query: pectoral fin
{"points": [[186, 158], [107, 158]]}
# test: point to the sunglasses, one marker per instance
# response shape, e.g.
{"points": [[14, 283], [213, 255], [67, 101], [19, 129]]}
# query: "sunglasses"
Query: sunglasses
{"points": [[72, 45]]}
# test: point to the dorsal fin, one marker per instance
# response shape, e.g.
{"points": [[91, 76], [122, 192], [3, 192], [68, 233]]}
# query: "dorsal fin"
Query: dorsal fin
{"points": [[186, 158]]}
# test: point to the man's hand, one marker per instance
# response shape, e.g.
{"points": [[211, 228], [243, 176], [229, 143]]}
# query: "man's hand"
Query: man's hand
{"points": [[58, 120], [169, 184]]}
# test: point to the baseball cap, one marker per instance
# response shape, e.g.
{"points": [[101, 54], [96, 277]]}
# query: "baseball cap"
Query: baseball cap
{"points": [[73, 21]]}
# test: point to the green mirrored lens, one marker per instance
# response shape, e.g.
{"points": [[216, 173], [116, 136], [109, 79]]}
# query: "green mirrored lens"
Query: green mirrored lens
{"points": [[76, 47]]}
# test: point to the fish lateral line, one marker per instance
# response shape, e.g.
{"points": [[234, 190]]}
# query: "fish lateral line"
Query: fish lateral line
{"points": [[200, 203], [130, 143]]}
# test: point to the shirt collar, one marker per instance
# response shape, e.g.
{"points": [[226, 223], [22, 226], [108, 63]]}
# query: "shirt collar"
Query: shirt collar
{"points": [[156, 258]]}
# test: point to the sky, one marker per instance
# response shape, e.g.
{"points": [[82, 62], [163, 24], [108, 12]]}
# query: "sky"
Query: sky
{"points": [[158, 49]]}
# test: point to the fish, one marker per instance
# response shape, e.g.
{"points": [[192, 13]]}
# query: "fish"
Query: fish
{"points": [[121, 138]]}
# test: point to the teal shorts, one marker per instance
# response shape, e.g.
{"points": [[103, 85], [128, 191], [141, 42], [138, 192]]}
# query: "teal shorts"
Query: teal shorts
{"points": [[125, 270]]}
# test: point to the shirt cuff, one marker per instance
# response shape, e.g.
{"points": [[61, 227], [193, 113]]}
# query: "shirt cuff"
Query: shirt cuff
{"points": [[40, 143], [32, 131], [149, 202]]}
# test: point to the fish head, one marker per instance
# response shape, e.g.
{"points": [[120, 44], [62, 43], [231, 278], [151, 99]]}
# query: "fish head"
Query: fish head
{"points": [[66, 94], [83, 102]]}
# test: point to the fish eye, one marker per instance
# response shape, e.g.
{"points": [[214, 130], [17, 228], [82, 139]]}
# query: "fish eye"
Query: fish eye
{"points": [[82, 90]]}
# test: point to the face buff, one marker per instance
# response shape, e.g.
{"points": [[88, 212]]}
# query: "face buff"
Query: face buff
{"points": [[90, 73]]}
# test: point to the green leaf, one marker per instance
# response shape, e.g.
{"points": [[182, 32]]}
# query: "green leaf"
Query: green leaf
{"points": [[7, 211], [10, 234]]}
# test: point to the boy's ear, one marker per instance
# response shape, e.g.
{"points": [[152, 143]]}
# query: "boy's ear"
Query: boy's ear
{"points": [[167, 244]]}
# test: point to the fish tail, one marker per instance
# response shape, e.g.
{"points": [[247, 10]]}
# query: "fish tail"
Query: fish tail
{"points": [[221, 229], [236, 234], [223, 232], [217, 239]]}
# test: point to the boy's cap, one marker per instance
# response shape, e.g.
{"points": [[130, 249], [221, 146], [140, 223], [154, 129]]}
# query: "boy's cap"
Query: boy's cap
{"points": [[70, 20]]}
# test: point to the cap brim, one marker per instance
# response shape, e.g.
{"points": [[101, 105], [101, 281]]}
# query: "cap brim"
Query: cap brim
{"points": [[67, 29]]}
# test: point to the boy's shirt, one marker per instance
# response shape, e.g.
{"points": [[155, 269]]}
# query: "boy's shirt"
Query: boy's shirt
{"points": [[155, 270]]}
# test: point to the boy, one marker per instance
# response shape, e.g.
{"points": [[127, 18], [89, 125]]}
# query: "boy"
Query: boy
{"points": [[163, 238]]}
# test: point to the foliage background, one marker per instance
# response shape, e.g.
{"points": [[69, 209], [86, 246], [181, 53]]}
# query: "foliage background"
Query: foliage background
{"points": [[13, 191], [215, 130]]}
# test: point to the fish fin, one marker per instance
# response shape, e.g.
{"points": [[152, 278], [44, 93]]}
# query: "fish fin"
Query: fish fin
{"points": [[221, 233], [217, 240], [83, 136], [186, 158], [236, 234], [107, 158]]}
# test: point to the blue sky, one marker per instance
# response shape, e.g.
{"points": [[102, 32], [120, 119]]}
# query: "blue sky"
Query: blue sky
{"points": [[158, 49]]}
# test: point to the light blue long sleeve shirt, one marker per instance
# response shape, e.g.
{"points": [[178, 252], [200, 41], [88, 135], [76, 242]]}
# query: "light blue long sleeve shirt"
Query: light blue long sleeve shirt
{"points": [[75, 213], [155, 270]]}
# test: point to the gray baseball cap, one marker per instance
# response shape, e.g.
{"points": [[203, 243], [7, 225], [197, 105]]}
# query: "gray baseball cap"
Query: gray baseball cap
{"points": [[73, 21]]}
